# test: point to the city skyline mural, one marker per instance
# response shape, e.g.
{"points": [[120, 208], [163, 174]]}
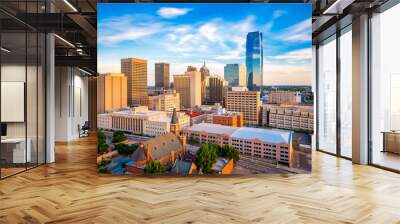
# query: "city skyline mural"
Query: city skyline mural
{"points": [[191, 34], [194, 89]]}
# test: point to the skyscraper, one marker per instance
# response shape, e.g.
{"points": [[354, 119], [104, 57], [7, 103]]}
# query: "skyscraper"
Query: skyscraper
{"points": [[254, 60], [161, 75], [135, 70], [205, 72], [216, 88], [189, 88], [111, 92], [191, 69], [235, 74]]}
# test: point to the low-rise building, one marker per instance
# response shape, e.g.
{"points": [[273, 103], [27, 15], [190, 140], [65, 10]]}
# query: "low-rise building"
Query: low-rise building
{"points": [[282, 97], [196, 117], [184, 168], [258, 143], [223, 166], [165, 148], [140, 120], [288, 117], [234, 119]]}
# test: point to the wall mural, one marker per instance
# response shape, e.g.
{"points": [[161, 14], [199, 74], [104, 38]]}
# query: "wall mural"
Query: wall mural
{"points": [[204, 89]]}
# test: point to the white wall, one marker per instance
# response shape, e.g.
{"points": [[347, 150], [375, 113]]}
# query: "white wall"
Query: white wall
{"points": [[71, 103]]}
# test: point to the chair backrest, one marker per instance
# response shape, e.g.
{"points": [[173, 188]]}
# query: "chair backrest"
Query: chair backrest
{"points": [[86, 125]]}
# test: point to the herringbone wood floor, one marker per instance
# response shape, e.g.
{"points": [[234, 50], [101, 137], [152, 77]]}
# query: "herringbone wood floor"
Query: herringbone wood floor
{"points": [[70, 191]]}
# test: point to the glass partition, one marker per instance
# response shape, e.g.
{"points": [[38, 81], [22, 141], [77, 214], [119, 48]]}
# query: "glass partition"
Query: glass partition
{"points": [[22, 92], [13, 94], [327, 96]]}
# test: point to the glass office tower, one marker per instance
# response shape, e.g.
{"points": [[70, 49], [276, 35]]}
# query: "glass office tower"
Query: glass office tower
{"points": [[254, 60], [235, 74]]}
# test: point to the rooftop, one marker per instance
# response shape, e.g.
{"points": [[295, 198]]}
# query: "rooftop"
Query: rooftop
{"points": [[220, 164], [266, 135], [213, 128], [181, 167], [192, 113]]}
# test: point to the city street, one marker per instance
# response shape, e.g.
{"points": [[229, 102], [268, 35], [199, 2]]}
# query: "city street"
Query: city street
{"points": [[248, 166], [131, 138]]}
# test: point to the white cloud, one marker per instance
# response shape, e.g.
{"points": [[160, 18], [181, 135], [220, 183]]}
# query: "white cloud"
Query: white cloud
{"points": [[169, 12], [230, 55], [216, 38], [217, 41], [298, 32], [297, 55], [128, 28], [278, 13], [129, 34]]}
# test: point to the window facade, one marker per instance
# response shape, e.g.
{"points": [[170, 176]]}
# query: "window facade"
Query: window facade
{"points": [[326, 99], [385, 89], [346, 93], [379, 74]]}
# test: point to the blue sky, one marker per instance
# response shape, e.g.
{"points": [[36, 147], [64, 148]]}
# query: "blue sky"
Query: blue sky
{"points": [[185, 34]]}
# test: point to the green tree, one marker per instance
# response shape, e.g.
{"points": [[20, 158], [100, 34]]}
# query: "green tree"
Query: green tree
{"points": [[228, 152], [102, 147], [124, 149], [118, 136], [154, 167], [103, 163], [103, 170], [101, 141], [193, 140], [206, 157]]}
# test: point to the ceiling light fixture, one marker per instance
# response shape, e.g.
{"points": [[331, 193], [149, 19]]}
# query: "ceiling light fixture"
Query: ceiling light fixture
{"points": [[337, 7], [86, 72], [70, 5], [64, 40], [5, 50]]}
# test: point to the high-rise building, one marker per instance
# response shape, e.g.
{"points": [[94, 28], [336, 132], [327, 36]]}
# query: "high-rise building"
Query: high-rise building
{"points": [[189, 88], [165, 102], [235, 74], [191, 69], [205, 72], [282, 97], [161, 76], [247, 102], [216, 88], [111, 92], [254, 60], [135, 70]]}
